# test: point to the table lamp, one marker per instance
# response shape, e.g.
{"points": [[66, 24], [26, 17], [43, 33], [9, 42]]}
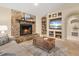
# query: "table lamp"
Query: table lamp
{"points": [[3, 29]]}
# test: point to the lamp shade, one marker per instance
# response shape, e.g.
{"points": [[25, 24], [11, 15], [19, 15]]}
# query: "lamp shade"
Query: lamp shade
{"points": [[3, 28]]}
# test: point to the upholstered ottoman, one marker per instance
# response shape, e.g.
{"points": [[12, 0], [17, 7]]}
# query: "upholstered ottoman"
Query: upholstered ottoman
{"points": [[44, 43]]}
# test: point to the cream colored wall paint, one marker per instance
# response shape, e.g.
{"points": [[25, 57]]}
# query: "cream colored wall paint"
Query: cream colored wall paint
{"points": [[70, 27], [5, 18], [38, 24], [67, 9]]}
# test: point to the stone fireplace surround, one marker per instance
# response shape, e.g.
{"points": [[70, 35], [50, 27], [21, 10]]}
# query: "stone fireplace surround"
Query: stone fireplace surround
{"points": [[15, 26]]}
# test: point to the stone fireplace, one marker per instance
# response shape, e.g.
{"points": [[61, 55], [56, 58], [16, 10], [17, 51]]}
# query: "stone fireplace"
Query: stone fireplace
{"points": [[25, 29], [21, 29]]}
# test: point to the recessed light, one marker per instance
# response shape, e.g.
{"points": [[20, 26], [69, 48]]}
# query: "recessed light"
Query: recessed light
{"points": [[36, 4]]}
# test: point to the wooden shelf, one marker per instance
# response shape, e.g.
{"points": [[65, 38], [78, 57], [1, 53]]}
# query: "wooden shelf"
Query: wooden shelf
{"points": [[55, 15], [30, 21]]}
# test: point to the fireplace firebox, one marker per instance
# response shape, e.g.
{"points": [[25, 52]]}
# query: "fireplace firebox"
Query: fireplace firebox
{"points": [[25, 29]]}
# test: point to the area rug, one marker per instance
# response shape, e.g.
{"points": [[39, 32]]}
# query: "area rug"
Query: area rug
{"points": [[35, 51], [7, 54]]}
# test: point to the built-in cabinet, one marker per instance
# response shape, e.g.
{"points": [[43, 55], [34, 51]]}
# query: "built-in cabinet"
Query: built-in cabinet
{"points": [[44, 25], [55, 25]]}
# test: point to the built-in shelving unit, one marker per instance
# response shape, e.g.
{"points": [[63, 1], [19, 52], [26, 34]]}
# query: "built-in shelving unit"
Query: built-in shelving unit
{"points": [[55, 25], [44, 25]]}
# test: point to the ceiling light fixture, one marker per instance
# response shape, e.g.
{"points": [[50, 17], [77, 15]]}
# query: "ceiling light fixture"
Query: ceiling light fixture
{"points": [[36, 4]]}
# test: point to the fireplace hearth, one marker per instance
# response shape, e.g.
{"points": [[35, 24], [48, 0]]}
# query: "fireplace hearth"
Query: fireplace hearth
{"points": [[25, 29]]}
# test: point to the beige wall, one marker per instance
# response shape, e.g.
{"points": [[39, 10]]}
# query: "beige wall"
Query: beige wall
{"points": [[67, 10], [5, 18], [38, 24]]}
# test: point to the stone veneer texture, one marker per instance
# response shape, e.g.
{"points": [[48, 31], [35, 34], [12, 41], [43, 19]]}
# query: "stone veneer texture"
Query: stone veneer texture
{"points": [[15, 24]]}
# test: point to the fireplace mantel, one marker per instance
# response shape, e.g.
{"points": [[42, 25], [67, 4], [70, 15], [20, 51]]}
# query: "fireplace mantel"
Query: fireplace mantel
{"points": [[28, 21], [15, 25]]}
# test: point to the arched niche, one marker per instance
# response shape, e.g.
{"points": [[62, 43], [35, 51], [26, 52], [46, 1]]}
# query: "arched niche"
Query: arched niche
{"points": [[72, 26]]}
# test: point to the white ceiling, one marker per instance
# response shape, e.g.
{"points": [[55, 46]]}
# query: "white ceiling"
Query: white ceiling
{"points": [[41, 9]]}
